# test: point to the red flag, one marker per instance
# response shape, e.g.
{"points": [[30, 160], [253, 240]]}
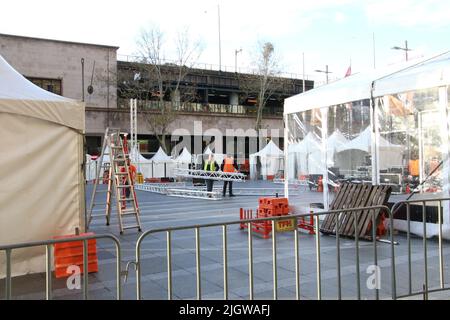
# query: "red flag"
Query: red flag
{"points": [[349, 71]]}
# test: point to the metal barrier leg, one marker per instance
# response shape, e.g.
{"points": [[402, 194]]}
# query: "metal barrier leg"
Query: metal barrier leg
{"points": [[393, 272], [319, 280], [169, 265], [8, 274], [85, 270], [250, 260], [138, 269], [225, 262], [408, 235], [338, 258], [441, 255], [118, 269], [375, 256], [274, 261], [358, 275], [425, 255], [297, 266], [48, 272], [197, 264]]}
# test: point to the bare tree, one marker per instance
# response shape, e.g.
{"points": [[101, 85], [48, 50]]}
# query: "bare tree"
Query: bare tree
{"points": [[159, 81], [264, 82]]}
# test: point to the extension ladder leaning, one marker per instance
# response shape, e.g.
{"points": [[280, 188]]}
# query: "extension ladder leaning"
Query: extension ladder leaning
{"points": [[117, 176]]}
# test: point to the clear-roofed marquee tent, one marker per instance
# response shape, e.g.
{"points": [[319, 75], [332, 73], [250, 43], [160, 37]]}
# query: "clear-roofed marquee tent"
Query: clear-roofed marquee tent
{"points": [[390, 126]]}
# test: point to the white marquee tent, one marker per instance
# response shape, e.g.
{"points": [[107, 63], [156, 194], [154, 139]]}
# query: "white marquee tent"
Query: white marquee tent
{"points": [[184, 159], [426, 81], [142, 164], [162, 165], [272, 159], [42, 190], [305, 157], [391, 153]]}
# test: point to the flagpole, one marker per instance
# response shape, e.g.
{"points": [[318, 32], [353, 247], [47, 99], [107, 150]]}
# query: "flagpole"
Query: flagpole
{"points": [[303, 62], [373, 44]]}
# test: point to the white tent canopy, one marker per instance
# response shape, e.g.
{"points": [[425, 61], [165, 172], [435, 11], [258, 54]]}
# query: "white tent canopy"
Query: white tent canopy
{"points": [[271, 160], [207, 150], [184, 157], [391, 153], [429, 73], [160, 156], [352, 88], [42, 189], [184, 160], [305, 157], [162, 165]]}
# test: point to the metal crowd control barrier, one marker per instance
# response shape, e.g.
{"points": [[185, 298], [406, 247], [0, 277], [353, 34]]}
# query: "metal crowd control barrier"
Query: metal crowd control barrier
{"points": [[273, 220], [48, 271], [424, 201]]}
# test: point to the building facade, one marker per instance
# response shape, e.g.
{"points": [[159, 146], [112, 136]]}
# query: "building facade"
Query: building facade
{"points": [[218, 101]]}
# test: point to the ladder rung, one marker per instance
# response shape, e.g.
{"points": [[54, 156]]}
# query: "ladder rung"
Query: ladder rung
{"points": [[103, 191], [128, 214], [121, 174], [124, 186], [100, 203], [126, 199]]}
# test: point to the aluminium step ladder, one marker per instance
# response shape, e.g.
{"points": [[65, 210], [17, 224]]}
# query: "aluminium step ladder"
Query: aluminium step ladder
{"points": [[118, 177]]}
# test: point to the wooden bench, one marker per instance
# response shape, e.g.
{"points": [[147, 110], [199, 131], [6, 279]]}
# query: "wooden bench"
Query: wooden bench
{"points": [[356, 196]]}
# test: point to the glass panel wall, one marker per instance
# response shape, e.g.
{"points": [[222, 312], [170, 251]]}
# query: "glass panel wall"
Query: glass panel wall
{"points": [[410, 142], [348, 144], [305, 157]]}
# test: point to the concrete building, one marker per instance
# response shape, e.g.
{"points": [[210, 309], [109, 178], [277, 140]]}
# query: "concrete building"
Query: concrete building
{"points": [[69, 68]]}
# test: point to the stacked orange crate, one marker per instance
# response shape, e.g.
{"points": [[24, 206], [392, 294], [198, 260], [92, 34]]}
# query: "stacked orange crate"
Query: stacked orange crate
{"points": [[71, 253], [270, 207]]}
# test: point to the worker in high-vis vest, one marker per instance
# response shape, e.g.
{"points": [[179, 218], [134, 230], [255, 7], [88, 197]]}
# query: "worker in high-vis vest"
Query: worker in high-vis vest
{"points": [[228, 165], [210, 165]]}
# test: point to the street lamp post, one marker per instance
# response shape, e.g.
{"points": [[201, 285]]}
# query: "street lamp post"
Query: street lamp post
{"points": [[220, 44], [324, 71], [406, 49], [235, 58]]}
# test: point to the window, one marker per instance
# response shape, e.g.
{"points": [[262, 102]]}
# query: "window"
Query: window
{"points": [[51, 85]]}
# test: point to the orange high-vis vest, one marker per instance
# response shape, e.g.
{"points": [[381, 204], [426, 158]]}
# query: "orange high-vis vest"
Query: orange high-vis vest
{"points": [[228, 165]]}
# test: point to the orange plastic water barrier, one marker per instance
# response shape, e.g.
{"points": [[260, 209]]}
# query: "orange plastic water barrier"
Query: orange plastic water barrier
{"points": [[71, 254]]}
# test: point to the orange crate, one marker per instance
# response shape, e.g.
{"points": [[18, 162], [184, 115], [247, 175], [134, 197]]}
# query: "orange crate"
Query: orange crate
{"points": [[71, 253]]}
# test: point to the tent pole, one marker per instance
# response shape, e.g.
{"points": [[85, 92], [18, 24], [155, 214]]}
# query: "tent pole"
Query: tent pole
{"points": [[286, 168]]}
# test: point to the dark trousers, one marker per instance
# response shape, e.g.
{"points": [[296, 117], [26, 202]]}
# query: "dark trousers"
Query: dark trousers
{"points": [[209, 185], [230, 188]]}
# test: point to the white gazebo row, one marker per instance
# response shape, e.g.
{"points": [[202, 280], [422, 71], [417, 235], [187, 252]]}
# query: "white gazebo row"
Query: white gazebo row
{"points": [[159, 166], [385, 126], [305, 156]]}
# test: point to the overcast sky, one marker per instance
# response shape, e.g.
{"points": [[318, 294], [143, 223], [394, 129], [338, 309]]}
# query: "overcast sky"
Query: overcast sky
{"points": [[328, 32]]}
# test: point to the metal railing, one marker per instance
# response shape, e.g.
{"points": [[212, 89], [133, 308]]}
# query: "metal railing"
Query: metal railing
{"points": [[197, 228], [48, 270], [373, 213], [204, 108], [408, 204], [216, 67]]}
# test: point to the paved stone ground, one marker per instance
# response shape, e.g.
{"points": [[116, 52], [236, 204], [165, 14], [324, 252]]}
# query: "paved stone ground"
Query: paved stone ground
{"points": [[159, 211]]}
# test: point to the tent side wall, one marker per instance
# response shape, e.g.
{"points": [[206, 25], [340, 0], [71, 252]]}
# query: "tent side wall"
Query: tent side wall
{"points": [[42, 189]]}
